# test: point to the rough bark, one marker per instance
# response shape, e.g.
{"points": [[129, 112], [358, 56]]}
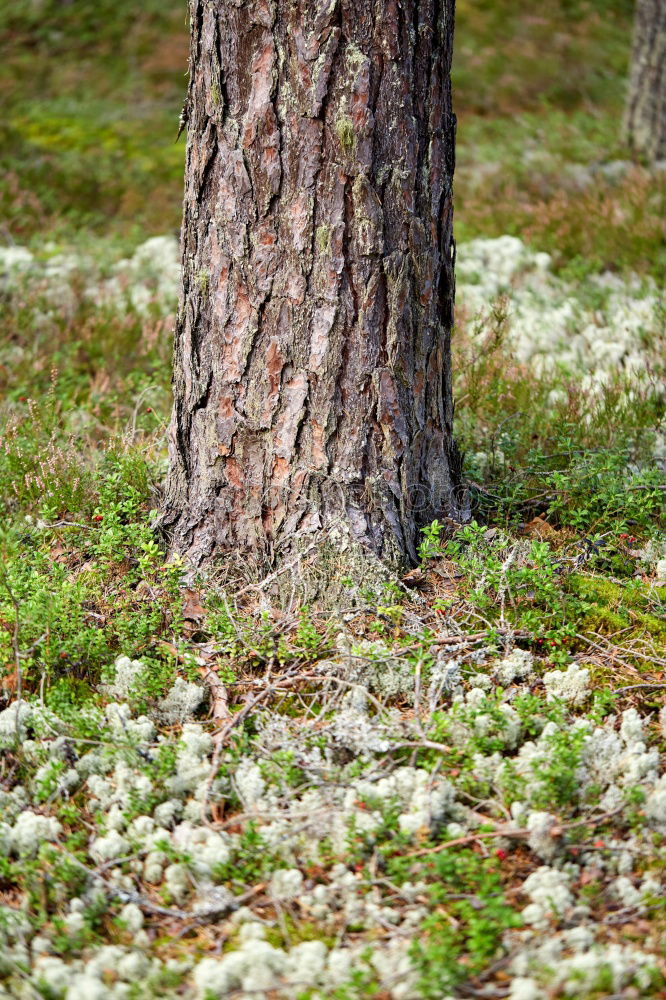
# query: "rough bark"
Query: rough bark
{"points": [[312, 368], [645, 118]]}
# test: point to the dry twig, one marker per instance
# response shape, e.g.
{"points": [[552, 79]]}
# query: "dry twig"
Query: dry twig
{"points": [[511, 833]]}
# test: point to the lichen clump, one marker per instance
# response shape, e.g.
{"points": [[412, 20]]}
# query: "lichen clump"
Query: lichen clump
{"points": [[310, 802]]}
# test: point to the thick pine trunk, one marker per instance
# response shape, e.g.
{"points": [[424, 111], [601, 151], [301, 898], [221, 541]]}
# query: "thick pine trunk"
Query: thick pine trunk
{"points": [[645, 118], [312, 367]]}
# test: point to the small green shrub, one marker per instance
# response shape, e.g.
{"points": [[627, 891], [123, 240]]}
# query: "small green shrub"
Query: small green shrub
{"points": [[463, 934]]}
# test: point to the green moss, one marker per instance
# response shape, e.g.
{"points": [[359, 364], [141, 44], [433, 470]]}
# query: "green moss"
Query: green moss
{"points": [[323, 239], [608, 593], [344, 128], [612, 608], [293, 932]]}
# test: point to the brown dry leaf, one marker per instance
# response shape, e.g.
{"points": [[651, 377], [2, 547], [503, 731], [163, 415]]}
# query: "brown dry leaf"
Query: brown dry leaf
{"points": [[538, 527], [192, 607], [446, 570], [170, 648], [9, 682], [58, 552], [416, 579]]}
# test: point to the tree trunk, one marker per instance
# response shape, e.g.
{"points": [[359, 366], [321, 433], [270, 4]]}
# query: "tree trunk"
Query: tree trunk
{"points": [[312, 367], [645, 118]]}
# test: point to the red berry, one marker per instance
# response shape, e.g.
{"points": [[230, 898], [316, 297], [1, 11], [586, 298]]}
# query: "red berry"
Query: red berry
{"points": [[149, 409], [97, 517], [499, 853]]}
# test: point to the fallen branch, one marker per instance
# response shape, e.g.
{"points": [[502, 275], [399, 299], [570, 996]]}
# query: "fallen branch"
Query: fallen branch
{"points": [[222, 908], [218, 693], [637, 687], [219, 698], [511, 833], [607, 651]]}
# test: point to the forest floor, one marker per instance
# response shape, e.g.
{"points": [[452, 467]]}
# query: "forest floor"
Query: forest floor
{"points": [[455, 788]]}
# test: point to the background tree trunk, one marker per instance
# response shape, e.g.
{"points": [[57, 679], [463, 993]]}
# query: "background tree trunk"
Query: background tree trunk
{"points": [[645, 119], [312, 367]]}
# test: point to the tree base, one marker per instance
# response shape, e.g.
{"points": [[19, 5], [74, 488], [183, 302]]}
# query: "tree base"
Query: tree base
{"points": [[327, 570]]}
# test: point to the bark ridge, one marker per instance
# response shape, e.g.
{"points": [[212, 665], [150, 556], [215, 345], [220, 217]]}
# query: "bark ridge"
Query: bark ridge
{"points": [[312, 366]]}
